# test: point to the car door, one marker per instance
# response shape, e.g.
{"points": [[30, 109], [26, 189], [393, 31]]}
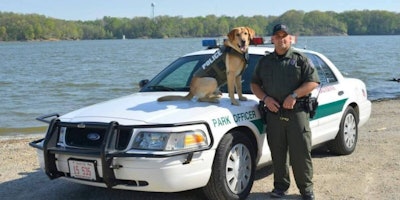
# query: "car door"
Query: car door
{"points": [[331, 98]]}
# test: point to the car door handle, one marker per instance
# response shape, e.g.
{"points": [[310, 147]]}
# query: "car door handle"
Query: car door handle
{"points": [[340, 93]]}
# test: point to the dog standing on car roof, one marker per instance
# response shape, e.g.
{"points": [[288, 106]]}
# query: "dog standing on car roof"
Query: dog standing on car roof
{"points": [[226, 65]]}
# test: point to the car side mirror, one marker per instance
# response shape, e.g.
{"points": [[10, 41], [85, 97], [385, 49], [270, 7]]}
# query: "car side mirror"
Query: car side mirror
{"points": [[142, 83]]}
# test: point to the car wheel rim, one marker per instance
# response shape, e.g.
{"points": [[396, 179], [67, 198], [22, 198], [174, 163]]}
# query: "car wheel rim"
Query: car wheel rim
{"points": [[238, 168], [350, 131]]}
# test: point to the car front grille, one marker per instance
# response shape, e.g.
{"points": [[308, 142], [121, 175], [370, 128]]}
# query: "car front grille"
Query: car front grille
{"points": [[93, 138]]}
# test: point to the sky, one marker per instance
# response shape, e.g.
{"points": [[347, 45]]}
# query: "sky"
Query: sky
{"points": [[96, 9]]}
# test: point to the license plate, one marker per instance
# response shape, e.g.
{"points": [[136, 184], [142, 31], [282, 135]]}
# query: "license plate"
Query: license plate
{"points": [[82, 169]]}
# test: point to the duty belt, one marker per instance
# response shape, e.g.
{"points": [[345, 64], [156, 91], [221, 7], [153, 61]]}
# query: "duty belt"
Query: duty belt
{"points": [[300, 105]]}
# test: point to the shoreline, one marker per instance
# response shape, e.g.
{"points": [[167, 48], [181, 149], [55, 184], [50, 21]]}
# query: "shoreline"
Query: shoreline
{"points": [[21, 137]]}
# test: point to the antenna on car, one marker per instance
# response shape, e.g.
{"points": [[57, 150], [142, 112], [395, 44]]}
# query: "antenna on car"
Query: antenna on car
{"points": [[319, 90]]}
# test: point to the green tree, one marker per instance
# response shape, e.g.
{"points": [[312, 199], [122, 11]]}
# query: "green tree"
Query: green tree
{"points": [[28, 32], [141, 27], [322, 23], [292, 18], [3, 33], [382, 22], [355, 22], [19, 27], [223, 26]]}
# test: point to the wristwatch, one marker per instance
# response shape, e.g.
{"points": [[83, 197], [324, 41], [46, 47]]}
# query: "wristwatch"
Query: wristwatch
{"points": [[294, 95]]}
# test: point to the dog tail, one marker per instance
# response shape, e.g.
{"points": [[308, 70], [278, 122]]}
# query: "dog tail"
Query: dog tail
{"points": [[176, 98]]}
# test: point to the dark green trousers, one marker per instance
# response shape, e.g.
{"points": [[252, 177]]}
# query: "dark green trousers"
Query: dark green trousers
{"points": [[289, 139]]}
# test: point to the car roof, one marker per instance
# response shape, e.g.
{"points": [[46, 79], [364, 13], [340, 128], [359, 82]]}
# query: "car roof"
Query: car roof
{"points": [[255, 50]]}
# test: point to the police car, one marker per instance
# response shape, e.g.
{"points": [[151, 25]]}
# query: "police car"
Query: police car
{"points": [[137, 143]]}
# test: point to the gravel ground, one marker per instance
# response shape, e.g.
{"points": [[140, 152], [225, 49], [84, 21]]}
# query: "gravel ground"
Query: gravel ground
{"points": [[371, 172]]}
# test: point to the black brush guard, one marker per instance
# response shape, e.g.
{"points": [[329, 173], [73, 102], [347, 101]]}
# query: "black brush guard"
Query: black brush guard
{"points": [[50, 147]]}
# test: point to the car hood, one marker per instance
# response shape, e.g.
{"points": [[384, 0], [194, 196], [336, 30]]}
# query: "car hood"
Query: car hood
{"points": [[143, 108]]}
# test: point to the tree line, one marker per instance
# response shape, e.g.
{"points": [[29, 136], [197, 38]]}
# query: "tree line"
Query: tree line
{"points": [[27, 27]]}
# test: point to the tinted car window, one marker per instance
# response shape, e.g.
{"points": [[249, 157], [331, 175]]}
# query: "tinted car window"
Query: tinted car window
{"points": [[180, 78], [324, 71], [178, 75]]}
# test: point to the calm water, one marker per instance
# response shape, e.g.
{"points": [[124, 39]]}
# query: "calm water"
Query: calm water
{"points": [[44, 77]]}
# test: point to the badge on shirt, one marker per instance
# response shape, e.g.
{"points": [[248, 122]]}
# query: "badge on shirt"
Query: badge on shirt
{"points": [[293, 62]]}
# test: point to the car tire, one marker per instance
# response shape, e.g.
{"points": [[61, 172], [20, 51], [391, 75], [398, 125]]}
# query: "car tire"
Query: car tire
{"points": [[233, 169], [346, 139]]}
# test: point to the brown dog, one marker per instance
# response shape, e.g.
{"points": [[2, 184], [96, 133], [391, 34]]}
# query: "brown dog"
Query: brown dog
{"points": [[206, 85]]}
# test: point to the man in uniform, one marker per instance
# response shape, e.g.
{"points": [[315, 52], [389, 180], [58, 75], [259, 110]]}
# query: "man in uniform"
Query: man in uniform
{"points": [[282, 80]]}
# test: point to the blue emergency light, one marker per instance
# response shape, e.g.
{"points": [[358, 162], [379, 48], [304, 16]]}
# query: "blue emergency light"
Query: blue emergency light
{"points": [[209, 42]]}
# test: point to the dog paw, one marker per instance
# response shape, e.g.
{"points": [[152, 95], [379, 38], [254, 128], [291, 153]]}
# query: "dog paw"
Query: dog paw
{"points": [[210, 100], [242, 98], [235, 103]]}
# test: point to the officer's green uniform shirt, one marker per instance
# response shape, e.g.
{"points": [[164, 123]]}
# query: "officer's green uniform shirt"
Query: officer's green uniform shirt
{"points": [[280, 76]]}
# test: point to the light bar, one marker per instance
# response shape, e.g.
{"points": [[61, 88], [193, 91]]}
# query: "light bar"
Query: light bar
{"points": [[209, 42], [257, 41]]}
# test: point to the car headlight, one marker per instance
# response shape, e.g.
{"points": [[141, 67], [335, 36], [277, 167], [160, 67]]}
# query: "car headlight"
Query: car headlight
{"points": [[61, 137], [170, 141]]}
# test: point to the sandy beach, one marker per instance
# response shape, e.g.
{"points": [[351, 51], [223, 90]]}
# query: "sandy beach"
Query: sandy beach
{"points": [[371, 172]]}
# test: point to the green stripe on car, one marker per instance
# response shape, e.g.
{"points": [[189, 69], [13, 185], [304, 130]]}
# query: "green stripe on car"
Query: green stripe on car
{"points": [[259, 124], [329, 108], [322, 111]]}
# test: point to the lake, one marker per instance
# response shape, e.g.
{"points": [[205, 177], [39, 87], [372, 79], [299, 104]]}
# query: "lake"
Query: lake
{"points": [[38, 78]]}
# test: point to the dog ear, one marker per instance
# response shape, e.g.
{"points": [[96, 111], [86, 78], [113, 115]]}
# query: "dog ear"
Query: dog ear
{"points": [[232, 34], [252, 33]]}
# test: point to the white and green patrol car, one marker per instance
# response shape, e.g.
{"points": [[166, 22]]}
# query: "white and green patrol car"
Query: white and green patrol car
{"points": [[137, 143]]}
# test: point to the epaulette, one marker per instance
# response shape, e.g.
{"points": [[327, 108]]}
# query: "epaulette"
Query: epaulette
{"points": [[299, 54]]}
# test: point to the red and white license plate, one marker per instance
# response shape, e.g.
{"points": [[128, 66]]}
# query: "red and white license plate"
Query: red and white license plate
{"points": [[82, 169]]}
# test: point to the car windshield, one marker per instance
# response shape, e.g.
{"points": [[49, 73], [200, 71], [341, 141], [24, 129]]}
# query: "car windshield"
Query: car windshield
{"points": [[178, 75]]}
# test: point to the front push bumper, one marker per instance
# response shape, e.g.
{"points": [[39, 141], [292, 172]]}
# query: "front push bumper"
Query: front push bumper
{"points": [[124, 170]]}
